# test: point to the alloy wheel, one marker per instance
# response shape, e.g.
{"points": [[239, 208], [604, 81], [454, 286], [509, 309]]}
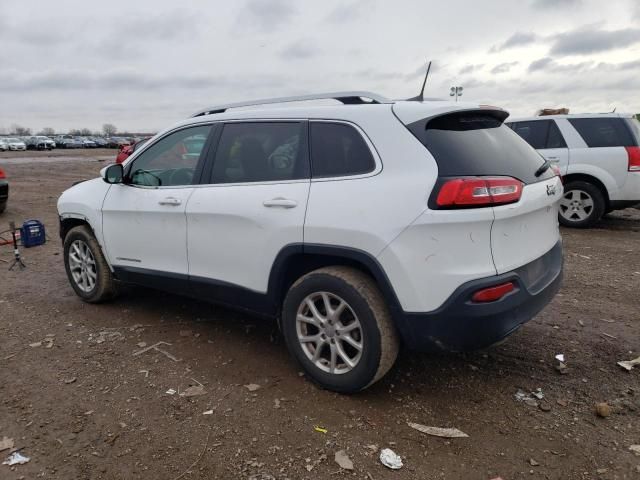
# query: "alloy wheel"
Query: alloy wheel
{"points": [[329, 333], [576, 205], [82, 266]]}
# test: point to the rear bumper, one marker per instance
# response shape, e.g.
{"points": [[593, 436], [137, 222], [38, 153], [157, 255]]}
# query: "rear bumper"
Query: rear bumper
{"points": [[462, 325]]}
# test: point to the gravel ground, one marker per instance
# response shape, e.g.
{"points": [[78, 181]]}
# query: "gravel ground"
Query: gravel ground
{"points": [[77, 399]]}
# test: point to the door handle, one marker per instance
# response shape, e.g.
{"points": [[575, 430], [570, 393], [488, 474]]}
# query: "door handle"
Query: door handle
{"points": [[280, 202], [170, 201], [552, 158]]}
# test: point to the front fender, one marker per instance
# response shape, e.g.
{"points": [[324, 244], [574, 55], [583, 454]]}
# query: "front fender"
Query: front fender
{"points": [[84, 201]]}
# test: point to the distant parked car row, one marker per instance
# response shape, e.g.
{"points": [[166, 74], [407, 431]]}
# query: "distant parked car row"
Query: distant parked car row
{"points": [[12, 143], [41, 142]]}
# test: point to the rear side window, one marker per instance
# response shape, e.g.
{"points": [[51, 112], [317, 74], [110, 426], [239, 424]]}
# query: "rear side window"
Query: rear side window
{"points": [[534, 133], [540, 134], [261, 152], [634, 125], [337, 150], [604, 132], [478, 143]]}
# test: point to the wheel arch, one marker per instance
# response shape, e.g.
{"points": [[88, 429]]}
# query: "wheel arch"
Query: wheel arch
{"points": [[296, 260], [68, 222]]}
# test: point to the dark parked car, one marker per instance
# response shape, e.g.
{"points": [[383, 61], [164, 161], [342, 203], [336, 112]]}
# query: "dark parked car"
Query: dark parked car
{"points": [[99, 141], [117, 142], [68, 142], [4, 190], [40, 142]]}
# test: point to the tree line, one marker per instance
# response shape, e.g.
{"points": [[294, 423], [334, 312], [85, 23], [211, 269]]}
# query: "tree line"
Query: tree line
{"points": [[108, 130]]}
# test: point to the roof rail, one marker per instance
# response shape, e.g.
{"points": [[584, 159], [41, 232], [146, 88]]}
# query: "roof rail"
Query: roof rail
{"points": [[348, 98]]}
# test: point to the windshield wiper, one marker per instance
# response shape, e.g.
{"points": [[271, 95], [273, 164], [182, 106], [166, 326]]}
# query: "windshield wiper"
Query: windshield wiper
{"points": [[543, 168]]}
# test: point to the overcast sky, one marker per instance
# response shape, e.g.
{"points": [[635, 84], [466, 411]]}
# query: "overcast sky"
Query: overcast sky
{"points": [[146, 64]]}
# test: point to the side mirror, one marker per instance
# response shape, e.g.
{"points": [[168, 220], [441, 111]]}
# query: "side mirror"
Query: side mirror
{"points": [[113, 173]]}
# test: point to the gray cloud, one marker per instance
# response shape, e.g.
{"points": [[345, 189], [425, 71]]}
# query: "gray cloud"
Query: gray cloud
{"points": [[378, 75], [540, 64], [300, 50], [503, 67], [518, 39], [266, 15], [349, 12], [555, 3], [126, 81], [549, 65], [168, 26], [470, 68], [591, 39]]}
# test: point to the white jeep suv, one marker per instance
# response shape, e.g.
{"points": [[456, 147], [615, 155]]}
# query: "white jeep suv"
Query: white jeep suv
{"points": [[598, 156], [359, 226]]}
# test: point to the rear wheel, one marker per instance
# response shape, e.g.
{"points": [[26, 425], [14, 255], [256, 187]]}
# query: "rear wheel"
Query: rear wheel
{"points": [[86, 267], [582, 205], [337, 325]]}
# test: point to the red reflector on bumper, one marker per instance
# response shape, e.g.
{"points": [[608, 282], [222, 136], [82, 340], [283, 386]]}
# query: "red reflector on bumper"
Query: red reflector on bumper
{"points": [[492, 294]]}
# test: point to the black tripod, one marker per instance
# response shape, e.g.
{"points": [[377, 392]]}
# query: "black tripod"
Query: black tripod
{"points": [[17, 261]]}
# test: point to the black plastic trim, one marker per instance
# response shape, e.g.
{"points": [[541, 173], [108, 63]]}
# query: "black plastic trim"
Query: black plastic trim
{"points": [[461, 324]]}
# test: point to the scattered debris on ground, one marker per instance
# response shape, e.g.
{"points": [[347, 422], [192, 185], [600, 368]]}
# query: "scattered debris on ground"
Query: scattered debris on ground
{"points": [[6, 443], [603, 409], [156, 347], [629, 364], [439, 432], [16, 458], [252, 387], [390, 459], [343, 460]]}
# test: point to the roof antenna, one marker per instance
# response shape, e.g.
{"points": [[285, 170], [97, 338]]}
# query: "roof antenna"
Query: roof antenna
{"points": [[420, 97]]}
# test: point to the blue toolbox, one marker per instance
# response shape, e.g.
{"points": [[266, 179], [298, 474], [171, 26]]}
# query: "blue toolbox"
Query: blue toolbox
{"points": [[32, 233]]}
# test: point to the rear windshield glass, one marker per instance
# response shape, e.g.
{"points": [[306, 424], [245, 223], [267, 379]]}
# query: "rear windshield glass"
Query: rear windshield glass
{"points": [[478, 143], [604, 132]]}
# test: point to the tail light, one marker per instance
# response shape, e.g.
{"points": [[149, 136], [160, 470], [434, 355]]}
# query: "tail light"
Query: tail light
{"points": [[2, 174], [492, 294], [556, 171], [478, 192], [634, 158]]}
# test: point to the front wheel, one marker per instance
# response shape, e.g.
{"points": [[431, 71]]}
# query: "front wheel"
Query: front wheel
{"points": [[336, 324], [86, 267], [581, 206]]}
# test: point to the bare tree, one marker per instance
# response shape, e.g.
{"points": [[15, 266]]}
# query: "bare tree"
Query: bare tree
{"points": [[20, 131], [109, 129], [75, 132], [47, 132], [85, 132]]}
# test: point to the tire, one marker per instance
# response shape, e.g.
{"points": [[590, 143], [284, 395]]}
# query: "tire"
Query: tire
{"points": [[92, 281], [582, 205], [3, 207], [365, 320]]}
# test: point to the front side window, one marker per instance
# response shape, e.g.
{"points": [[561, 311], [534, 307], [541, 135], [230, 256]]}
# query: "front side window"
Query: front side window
{"points": [[170, 161], [604, 132], [261, 152], [337, 150]]}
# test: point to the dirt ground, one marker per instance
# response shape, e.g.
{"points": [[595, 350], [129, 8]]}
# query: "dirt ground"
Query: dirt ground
{"points": [[77, 400]]}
